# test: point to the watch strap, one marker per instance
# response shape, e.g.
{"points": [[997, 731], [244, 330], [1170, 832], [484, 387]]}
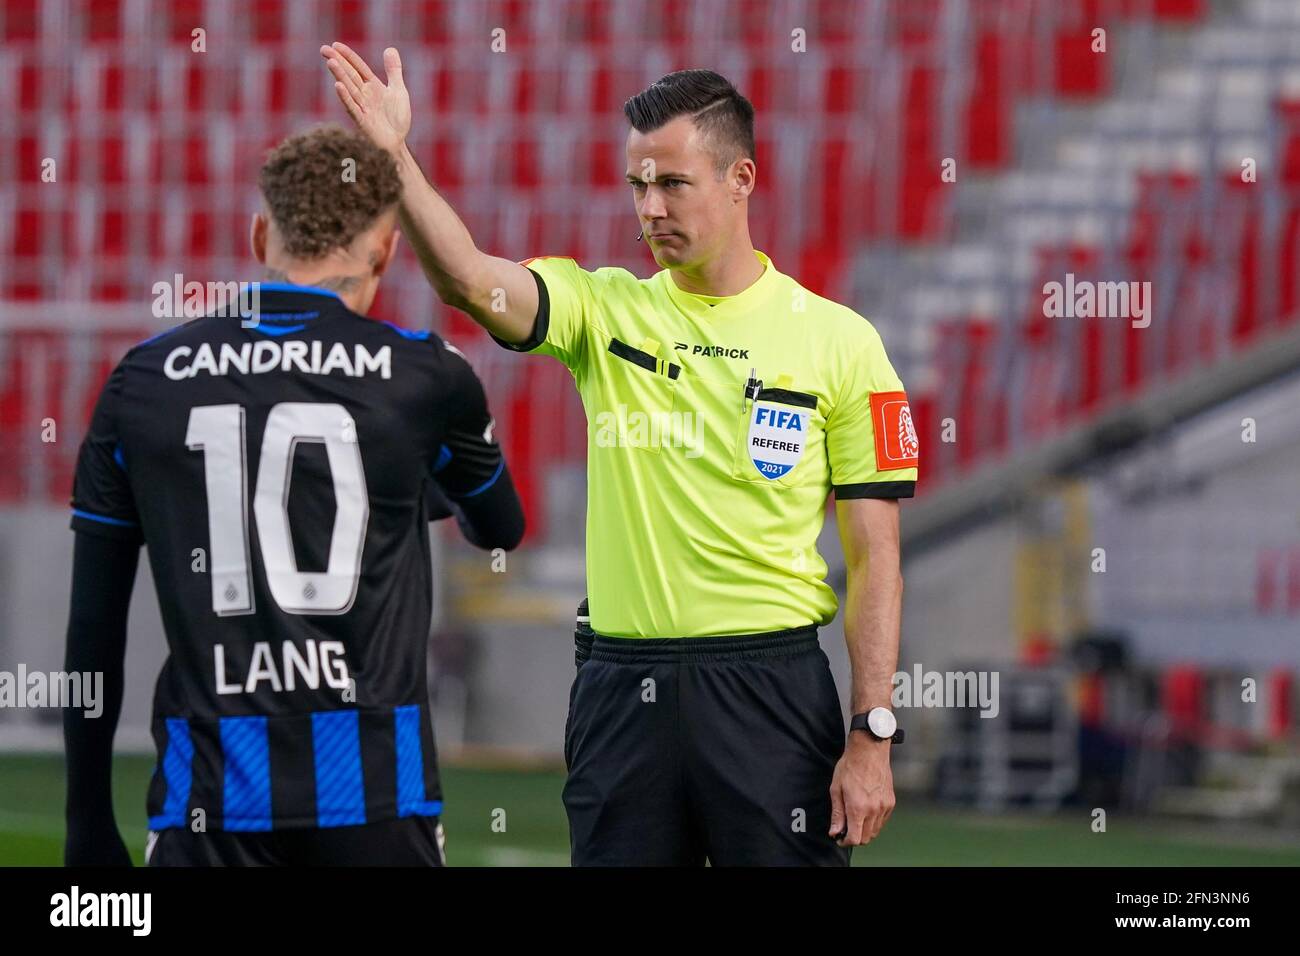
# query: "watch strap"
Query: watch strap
{"points": [[859, 722]]}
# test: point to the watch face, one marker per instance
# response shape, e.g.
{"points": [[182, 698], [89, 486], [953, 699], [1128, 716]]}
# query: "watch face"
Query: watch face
{"points": [[882, 722]]}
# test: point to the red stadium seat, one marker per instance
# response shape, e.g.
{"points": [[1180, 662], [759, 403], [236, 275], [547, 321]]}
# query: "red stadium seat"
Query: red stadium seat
{"points": [[918, 158], [841, 163], [525, 163], [1293, 581], [1240, 219], [183, 17], [1183, 699], [1080, 72], [112, 161], [102, 20], [442, 161], [111, 238], [433, 23], [1269, 571], [28, 236], [1288, 266], [915, 25], [1279, 696], [1181, 10], [268, 21], [105, 87], [30, 90], [350, 21], [1290, 164], [590, 20], [845, 89], [20, 20], [988, 114], [28, 158]]}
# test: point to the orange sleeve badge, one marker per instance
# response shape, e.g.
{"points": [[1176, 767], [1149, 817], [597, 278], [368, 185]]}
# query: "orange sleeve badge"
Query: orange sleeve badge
{"points": [[891, 420]]}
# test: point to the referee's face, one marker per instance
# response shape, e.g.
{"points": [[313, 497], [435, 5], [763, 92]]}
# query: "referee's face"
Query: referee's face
{"points": [[686, 214]]}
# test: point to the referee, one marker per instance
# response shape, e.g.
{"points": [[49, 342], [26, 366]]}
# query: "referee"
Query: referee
{"points": [[724, 402]]}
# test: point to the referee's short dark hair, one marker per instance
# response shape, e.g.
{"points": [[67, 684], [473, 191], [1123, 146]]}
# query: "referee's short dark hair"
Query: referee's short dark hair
{"points": [[724, 118]]}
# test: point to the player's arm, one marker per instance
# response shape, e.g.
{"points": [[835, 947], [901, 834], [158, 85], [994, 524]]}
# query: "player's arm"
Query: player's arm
{"points": [[470, 469], [499, 294], [105, 556], [436, 502], [862, 792], [103, 573]]}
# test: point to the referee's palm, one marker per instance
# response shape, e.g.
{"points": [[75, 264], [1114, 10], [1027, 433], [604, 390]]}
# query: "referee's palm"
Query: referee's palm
{"points": [[382, 111]]}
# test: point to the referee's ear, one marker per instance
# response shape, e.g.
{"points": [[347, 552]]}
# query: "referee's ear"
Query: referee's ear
{"points": [[744, 177]]}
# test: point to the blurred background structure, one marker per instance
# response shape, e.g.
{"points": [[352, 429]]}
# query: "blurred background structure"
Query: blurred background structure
{"points": [[1109, 507]]}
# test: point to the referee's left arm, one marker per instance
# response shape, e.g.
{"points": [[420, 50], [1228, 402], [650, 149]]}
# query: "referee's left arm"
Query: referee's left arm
{"points": [[872, 449], [862, 790]]}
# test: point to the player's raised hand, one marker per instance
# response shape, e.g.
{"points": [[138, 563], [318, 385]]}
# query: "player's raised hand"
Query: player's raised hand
{"points": [[381, 111]]}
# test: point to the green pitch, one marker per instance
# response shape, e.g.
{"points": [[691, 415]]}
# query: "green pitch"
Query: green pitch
{"points": [[515, 818]]}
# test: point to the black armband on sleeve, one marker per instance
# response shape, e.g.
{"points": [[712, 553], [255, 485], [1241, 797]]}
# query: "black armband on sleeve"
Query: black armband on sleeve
{"points": [[876, 489], [540, 324]]}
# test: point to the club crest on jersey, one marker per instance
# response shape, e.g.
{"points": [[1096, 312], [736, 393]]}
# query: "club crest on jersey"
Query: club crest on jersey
{"points": [[776, 437], [897, 446]]}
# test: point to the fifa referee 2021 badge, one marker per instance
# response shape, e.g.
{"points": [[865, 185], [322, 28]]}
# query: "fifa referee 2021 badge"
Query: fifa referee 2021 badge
{"points": [[724, 403]]}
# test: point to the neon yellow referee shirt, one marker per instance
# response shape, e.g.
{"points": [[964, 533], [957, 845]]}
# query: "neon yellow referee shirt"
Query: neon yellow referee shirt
{"points": [[706, 487]]}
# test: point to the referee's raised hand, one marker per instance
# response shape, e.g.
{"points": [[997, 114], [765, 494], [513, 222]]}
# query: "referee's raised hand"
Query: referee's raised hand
{"points": [[381, 111]]}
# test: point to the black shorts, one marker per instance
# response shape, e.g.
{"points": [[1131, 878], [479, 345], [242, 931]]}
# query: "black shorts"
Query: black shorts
{"points": [[683, 750], [409, 841]]}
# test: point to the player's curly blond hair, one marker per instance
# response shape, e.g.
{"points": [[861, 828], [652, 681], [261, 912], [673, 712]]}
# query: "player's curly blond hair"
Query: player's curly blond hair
{"points": [[319, 201]]}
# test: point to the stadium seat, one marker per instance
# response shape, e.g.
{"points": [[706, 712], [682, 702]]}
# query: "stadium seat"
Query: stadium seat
{"points": [[850, 138], [1183, 699]]}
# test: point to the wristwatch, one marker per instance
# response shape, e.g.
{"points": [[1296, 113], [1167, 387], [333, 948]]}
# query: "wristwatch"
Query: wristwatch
{"points": [[880, 723]]}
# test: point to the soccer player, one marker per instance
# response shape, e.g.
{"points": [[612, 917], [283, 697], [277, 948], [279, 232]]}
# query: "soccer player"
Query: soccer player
{"points": [[281, 471], [724, 403]]}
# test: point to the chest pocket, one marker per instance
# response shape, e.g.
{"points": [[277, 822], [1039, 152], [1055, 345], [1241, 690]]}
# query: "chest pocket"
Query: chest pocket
{"points": [[775, 434], [638, 397]]}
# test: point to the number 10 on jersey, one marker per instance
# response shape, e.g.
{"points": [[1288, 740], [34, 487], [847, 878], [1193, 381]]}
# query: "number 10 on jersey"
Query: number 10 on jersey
{"points": [[218, 432]]}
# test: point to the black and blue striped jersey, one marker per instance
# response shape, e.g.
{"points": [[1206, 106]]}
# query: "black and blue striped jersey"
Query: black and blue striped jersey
{"points": [[281, 476]]}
